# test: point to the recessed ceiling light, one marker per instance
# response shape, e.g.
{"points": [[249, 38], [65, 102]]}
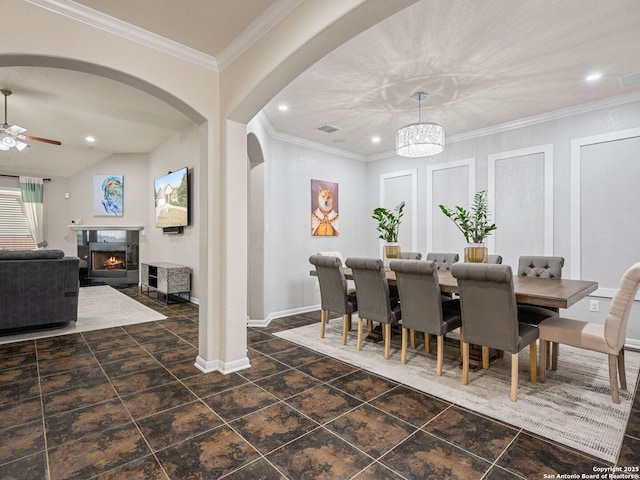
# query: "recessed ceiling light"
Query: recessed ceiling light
{"points": [[283, 108], [593, 77], [375, 139], [90, 139]]}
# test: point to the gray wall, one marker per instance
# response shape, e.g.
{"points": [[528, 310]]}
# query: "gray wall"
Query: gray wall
{"points": [[532, 161]]}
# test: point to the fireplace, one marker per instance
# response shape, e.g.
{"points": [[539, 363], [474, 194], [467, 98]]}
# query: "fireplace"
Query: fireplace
{"points": [[108, 256], [108, 260]]}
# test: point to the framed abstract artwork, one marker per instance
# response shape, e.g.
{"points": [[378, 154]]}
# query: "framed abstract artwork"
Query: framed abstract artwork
{"points": [[324, 209], [108, 195]]}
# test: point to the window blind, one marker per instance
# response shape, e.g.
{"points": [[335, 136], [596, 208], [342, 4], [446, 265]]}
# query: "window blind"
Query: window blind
{"points": [[14, 230]]}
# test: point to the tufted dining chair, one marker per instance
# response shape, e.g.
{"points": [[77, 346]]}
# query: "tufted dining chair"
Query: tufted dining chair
{"points": [[544, 267], [443, 261], [491, 317], [374, 303], [410, 255], [608, 338], [421, 303], [540, 266], [334, 295]]}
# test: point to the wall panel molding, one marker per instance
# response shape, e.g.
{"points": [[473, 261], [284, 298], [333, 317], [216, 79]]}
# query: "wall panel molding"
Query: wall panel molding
{"points": [[576, 195], [547, 151], [470, 163], [413, 173]]}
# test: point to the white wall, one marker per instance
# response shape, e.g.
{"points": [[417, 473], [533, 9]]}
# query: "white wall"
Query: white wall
{"points": [[182, 150], [288, 243], [59, 211], [557, 133], [139, 171]]}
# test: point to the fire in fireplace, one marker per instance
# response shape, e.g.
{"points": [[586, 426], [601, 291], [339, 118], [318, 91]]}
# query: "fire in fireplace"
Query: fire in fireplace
{"points": [[108, 260]]}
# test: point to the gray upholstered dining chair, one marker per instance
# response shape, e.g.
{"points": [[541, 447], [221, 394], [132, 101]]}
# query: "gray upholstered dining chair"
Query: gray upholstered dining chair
{"points": [[491, 317], [374, 303], [544, 267], [540, 266], [443, 261], [421, 303], [335, 253], [334, 295], [494, 259], [608, 338], [410, 255]]}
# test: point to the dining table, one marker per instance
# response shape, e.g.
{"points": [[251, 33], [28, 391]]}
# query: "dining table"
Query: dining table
{"points": [[545, 292]]}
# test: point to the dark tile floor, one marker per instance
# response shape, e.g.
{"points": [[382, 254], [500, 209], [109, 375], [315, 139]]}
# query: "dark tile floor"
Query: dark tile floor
{"points": [[127, 403]]}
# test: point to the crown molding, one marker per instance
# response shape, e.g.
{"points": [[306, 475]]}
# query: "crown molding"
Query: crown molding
{"points": [[547, 117], [261, 25], [274, 134], [529, 121], [93, 18]]}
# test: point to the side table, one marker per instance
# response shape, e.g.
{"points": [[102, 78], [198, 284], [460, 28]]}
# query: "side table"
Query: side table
{"points": [[166, 278]]}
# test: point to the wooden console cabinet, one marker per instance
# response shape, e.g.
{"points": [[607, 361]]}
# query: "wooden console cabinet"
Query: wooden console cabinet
{"points": [[167, 278]]}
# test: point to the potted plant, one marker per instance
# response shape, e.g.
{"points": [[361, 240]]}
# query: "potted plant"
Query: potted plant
{"points": [[388, 225], [474, 225]]}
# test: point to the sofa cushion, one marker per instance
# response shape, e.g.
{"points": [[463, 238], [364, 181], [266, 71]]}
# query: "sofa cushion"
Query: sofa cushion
{"points": [[30, 254]]}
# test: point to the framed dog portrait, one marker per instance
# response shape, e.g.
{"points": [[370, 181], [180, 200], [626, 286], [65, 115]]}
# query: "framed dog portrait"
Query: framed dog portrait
{"points": [[324, 209]]}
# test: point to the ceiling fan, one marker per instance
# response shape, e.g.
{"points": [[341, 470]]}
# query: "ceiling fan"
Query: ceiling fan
{"points": [[13, 136]]}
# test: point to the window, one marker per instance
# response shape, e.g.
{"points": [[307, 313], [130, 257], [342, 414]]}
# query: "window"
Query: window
{"points": [[14, 230]]}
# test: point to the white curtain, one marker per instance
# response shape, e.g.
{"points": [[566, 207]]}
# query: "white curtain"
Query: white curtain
{"points": [[32, 203]]}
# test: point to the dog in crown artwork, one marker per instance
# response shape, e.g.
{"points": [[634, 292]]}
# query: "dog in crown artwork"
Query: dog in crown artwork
{"points": [[324, 214]]}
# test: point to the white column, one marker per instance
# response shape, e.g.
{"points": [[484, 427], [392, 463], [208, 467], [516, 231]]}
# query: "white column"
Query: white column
{"points": [[223, 314]]}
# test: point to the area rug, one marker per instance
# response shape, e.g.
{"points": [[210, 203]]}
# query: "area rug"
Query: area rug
{"points": [[98, 307], [573, 407]]}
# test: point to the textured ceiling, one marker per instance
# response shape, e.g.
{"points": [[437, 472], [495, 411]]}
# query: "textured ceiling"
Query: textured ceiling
{"points": [[482, 62]]}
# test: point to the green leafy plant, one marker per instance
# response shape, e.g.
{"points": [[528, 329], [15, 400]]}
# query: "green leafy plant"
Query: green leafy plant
{"points": [[388, 222], [474, 223]]}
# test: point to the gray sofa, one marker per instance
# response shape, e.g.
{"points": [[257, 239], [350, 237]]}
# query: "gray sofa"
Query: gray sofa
{"points": [[38, 288]]}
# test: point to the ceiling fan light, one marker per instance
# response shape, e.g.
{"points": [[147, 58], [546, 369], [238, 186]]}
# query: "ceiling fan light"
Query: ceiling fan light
{"points": [[21, 145], [3, 147], [420, 140], [8, 141]]}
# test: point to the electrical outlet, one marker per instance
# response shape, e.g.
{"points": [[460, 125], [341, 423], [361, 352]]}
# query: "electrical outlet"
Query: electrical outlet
{"points": [[594, 306]]}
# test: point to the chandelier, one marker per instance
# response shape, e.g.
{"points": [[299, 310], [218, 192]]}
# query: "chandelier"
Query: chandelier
{"points": [[420, 139]]}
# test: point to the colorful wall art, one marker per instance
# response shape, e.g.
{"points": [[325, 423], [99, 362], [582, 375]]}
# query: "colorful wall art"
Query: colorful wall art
{"points": [[108, 195]]}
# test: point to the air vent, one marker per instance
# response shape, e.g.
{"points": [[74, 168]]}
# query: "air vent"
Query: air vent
{"points": [[631, 80], [328, 128]]}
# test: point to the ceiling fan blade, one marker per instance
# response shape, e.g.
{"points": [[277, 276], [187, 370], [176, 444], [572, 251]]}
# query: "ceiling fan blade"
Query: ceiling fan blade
{"points": [[15, 129], [39, 139]]}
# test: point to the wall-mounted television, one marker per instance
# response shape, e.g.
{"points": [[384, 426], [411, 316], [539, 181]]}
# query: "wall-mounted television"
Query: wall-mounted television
{"points": [[171, 193]]}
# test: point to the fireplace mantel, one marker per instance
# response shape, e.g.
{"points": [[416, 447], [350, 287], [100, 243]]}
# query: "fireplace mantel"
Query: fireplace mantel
{"points": [[105, 227]]}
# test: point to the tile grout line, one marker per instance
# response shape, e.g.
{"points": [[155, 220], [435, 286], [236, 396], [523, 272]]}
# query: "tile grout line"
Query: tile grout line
{"points": [[44, 423]]}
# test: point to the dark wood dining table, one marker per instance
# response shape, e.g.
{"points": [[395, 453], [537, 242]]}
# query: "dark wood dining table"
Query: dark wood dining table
{"points": [[545, 292]]}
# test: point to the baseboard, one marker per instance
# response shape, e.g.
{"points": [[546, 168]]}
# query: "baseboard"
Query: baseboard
{"points": [[220, 366], [253, 322], [632, 344]]}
